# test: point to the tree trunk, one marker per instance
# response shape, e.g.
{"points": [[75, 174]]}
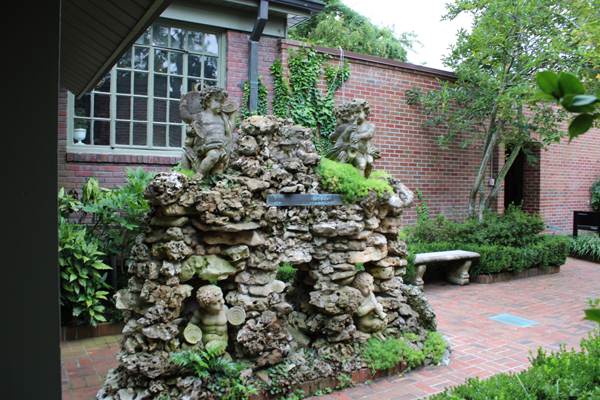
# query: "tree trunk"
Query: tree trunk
{"points": [[500, 179], [488, 148]]}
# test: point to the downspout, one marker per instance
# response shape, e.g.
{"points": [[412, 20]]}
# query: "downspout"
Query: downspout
{"points": [[259, 26]]}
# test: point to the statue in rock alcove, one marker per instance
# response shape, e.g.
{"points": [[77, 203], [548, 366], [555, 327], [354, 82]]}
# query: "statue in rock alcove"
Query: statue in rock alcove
{"points": [[370, 317], [209, 134], [211, 317], [353, 135]]}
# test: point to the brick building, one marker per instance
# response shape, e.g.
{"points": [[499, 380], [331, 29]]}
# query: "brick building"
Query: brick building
{"points": [[133, 115]]}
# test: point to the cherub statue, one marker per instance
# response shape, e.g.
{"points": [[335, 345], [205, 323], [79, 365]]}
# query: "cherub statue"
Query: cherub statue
{"points": [[353, 135], [211, 121], [369, 317], [211, 317]]}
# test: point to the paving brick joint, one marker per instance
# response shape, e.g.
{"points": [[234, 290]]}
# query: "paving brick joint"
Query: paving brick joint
{"points": [[481, 347]]}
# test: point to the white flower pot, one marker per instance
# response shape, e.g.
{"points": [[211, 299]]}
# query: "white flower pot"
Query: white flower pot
{"points": [[79, 134]]}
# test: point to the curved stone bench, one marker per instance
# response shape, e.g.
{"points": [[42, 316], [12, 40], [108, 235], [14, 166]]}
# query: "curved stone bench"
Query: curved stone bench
{"points": [[459, 262]]}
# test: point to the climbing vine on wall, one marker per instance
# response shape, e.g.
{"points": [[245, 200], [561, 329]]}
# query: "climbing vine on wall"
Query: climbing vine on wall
{"points": [[263, 105], [281, 91], [306, 105]]}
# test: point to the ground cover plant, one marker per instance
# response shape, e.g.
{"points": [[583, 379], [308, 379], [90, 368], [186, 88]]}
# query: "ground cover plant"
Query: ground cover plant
{"points": [[561, 375], [585, 246], [348, 182], [407, 349], [507, 242]]}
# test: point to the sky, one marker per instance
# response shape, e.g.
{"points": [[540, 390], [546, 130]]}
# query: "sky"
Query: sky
{"points": [[421, 17]]}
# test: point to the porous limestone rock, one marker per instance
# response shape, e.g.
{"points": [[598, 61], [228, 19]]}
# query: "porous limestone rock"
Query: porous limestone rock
{"points": [[221, 231]]}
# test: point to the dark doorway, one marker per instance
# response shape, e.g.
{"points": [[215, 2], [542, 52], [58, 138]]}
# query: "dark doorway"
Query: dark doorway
{"points": [[513, 182]]}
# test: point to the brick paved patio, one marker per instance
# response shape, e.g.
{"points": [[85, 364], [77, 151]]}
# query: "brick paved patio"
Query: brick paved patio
{"points": [[481, 346]]}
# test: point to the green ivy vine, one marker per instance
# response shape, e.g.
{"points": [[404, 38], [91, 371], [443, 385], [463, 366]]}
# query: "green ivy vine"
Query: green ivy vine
{"points": [[263, 105], [307, 106], [281, 91]]}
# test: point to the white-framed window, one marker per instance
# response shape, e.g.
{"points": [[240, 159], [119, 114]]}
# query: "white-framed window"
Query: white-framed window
{"points": [[135, 108]]}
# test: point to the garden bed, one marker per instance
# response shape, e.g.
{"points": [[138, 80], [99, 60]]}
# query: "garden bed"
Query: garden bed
{"points": [[330, 384], [509, 276]]}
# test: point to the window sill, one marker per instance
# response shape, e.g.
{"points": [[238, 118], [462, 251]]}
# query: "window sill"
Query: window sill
{"points": [[121, 159]]}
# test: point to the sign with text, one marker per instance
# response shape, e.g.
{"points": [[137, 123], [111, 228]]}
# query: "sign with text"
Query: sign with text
{"points": [[287, 200]]}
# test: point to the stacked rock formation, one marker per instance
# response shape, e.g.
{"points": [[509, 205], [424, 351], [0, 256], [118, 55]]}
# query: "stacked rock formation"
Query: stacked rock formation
{"points": [[221, 231]]}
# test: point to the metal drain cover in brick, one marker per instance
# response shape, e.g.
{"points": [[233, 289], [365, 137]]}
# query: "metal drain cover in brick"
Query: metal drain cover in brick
{"points": [[513, 320]]}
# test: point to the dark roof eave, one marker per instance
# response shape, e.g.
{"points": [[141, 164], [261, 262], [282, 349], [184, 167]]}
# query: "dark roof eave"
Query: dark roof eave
{"points": [[310, 5]]}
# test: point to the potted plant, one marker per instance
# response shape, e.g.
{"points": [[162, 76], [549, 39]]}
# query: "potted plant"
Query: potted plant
{"points": [[80, 126]]}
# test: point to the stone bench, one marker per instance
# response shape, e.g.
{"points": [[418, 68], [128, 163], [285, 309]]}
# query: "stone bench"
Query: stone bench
{"points": [[459, 262]]}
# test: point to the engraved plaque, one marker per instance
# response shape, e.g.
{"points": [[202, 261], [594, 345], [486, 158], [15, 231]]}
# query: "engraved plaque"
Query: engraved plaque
{"points": [[287, 200]]}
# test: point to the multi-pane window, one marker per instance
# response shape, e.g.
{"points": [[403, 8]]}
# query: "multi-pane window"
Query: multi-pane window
{"points": [[136, 106]]}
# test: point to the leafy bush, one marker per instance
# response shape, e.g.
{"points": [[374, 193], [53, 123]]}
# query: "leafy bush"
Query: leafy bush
{"points": [[286, 272], [585, 245], [387, 354], [507, 242], [116, 214], [347, 181], [101, 222], [80, 278], [549, 250], [561, 375], [595, 192], [514, 228]]}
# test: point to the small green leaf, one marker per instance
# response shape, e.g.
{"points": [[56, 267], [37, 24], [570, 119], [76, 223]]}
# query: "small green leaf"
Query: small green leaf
{"points": [[72, 277], [584, 100], [592, 315], [548, 82], [544, 96], [570, 84], [581, 124]]}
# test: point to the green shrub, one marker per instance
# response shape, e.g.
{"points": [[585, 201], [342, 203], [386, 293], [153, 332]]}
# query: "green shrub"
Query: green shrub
{"points": [[286, 272], [347, 181], [387, 354], [585, 245], [102, 222], [514, 228], [81, 280], [561, 375], [595, 192], [507, 242]]}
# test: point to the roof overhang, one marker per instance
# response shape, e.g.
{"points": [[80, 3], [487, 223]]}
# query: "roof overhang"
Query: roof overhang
{"points": [[96, 33]]}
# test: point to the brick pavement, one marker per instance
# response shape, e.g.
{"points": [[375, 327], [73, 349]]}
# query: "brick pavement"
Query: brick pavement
{"points": [[481, 346]]}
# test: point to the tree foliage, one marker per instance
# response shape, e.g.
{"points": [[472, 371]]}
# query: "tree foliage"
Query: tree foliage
{"points": [[340, 26], [493, 99]]}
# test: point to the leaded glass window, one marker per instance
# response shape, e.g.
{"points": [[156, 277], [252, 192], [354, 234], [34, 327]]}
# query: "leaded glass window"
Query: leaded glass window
{"points": [[136, 106]]}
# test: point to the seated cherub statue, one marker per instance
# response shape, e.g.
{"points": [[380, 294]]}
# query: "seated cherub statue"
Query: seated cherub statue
{"points": [[370, 317], [353, 135], [211, 317], [211, 121]]}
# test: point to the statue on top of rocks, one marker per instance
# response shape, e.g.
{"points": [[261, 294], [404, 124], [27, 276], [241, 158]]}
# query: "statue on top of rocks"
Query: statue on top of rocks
{"points": [[353, 135], [211, 121]]}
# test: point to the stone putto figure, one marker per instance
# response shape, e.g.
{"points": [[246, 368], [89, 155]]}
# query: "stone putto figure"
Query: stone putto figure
{"points": [[211, 121], [211, 317], [353, 135], [370, 317]]}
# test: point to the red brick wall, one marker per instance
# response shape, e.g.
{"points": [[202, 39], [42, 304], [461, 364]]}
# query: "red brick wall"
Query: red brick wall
{"points": [[567, 172], [237, 63]]}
